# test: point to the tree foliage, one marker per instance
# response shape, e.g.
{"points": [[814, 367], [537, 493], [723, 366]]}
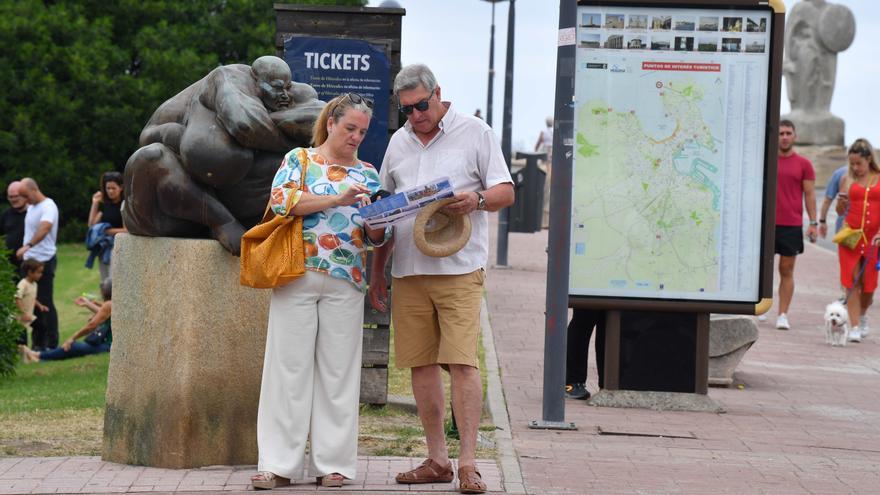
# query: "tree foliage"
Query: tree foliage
{"points": [[79, 79]]}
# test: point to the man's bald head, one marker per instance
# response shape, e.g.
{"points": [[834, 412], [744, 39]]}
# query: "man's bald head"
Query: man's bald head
{"points": [[13, 194], [29, 184], [30, 190]]}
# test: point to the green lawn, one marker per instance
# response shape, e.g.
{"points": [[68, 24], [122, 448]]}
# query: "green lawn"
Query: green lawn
{"points": [[71, 384], [57, 407]]}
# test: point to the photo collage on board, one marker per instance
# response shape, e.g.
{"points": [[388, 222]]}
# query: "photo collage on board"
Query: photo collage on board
{"points": [[673, 32]]}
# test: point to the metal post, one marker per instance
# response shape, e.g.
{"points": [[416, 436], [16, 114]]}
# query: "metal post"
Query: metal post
{"points": [[556, 323], [506, 138], [491, 69]]}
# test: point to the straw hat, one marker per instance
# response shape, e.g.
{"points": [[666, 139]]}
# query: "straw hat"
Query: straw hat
{"points": [[438, 233]]}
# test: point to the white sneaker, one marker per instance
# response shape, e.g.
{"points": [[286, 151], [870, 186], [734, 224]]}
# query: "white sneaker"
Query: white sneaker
{"points": [[782, 322], [863, 326], [855, 334], [762, 317]]}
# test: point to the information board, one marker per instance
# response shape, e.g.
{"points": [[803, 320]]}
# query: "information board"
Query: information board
{"points": [[336, 66], [669, 151]]}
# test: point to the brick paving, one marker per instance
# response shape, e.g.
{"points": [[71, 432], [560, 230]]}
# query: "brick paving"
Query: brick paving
{"points": [[805, 419], [92, 475], [802, 417]]}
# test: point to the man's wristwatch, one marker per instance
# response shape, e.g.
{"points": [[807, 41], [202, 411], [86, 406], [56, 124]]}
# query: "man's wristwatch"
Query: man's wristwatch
{"points": [[821, 220], [29, 245], [481, 201]]}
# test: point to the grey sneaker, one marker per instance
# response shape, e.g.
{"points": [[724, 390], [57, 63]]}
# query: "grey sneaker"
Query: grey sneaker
{"points": [[576, 391]]}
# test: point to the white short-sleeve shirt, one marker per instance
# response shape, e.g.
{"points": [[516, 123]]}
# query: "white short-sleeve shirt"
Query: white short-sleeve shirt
{"points": [[44, 211], [466, 151]]}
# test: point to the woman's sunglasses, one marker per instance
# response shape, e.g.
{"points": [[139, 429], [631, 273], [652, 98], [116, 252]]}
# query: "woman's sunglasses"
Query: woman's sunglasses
{"points": [[420, 106], [358, 99]]}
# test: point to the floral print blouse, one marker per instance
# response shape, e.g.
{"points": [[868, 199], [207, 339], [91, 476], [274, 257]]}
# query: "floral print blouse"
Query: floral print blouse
{"points": [[333, 239]]}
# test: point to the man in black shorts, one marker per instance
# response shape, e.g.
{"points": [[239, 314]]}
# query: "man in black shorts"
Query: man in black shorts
{"points": [[795, 187]]}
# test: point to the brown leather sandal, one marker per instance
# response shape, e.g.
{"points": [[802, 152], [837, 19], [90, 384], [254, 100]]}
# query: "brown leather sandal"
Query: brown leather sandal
{"points": [[470, 481], [428, 472], [332, 480]]}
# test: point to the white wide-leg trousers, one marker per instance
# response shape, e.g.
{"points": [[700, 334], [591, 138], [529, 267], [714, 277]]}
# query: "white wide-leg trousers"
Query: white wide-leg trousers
{"points": [[311, 378]]}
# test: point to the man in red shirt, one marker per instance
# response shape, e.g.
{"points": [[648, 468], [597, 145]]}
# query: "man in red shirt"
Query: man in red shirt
{"points": [[795, 186]]}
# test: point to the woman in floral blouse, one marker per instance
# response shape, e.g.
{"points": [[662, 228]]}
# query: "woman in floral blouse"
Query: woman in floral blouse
{"points": [[311, 372]]}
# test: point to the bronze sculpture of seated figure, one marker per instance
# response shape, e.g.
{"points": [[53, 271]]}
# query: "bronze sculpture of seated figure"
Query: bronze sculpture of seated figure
{"points": [[208, 154]]}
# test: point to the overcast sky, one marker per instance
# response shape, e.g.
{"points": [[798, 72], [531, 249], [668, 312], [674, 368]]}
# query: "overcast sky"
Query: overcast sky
{"points": [[452, 37]]}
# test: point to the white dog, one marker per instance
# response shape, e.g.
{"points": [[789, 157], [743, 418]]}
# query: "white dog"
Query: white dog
{"points": [[836, 326]]}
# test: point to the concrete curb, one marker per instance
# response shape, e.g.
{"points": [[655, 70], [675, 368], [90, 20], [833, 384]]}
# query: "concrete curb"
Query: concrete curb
{"points": [[511, 474], [657, 401]]}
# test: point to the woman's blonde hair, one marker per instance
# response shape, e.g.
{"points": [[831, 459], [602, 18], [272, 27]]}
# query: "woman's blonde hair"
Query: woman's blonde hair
{"points": [[864, 149], [336, 109]]}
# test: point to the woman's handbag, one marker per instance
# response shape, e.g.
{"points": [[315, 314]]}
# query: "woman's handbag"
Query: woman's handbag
{"points": [[848, 236], [272, 251]]}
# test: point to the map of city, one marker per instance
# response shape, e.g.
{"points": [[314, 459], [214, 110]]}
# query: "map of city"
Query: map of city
{"points": [[648, 176]]}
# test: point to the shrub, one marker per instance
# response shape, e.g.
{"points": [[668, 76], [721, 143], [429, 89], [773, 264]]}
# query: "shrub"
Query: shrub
{"points": [[10, 328]]}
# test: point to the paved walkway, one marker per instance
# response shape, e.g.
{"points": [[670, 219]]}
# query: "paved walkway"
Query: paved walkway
{"points": [[803, 418], [92, 475]]}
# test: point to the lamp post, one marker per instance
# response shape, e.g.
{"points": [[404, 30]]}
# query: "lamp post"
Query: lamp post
{"points": [[491, 64], [506, 137]]}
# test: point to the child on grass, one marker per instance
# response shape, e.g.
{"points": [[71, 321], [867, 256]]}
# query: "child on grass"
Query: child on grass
{"points": [[26, 293]]}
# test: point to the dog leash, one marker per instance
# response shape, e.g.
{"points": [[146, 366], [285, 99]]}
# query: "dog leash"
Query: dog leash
{"points": [[859, 276]]}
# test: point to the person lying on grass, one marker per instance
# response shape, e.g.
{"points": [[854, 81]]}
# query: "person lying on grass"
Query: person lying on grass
{"points": [[97, 332]]}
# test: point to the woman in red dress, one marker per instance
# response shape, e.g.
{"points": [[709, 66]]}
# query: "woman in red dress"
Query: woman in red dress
{"points": [[858, 273]]}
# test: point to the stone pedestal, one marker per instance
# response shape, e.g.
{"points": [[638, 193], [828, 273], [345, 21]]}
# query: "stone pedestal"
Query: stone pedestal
{"points": [[187, 356], [817, 128], [730, 336]]}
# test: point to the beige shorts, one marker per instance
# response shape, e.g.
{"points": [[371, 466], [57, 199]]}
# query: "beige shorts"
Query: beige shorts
{"points": [[436, 319]]}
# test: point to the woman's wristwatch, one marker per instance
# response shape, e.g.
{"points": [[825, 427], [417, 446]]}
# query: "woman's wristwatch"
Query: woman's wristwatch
{"points": [[814, 223]]}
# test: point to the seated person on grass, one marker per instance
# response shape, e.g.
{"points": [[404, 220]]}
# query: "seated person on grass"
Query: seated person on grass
{"points": [[97, 331]]}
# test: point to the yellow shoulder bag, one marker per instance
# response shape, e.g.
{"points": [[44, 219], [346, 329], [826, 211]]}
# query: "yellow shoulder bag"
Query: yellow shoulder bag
{"points": [[272, 251]]}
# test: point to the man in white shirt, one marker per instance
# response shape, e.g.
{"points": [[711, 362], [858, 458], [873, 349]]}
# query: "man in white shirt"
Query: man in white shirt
{"points": [[436, 301], [40, 235]]}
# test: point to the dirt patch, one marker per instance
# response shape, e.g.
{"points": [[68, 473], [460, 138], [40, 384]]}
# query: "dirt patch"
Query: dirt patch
{"points": [[383, 432], [389, 432], [52, 433]]}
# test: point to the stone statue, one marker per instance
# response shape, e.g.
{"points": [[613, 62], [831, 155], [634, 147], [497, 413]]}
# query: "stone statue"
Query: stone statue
{"points": [[208, 154], [815, 32]]}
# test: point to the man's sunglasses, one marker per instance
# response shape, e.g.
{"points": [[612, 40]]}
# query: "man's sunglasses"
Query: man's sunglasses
{"points": [[420, 106], [358, 99]]}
